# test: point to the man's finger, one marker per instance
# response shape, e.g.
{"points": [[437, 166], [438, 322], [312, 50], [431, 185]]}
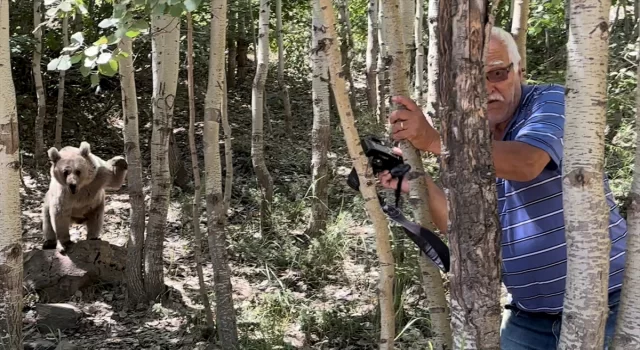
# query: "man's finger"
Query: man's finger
{"points": [[406, 102], [401, 135], [399, 115]]}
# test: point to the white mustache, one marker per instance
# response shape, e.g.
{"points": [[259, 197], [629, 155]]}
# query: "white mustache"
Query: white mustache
{"points": [[495, 97]]}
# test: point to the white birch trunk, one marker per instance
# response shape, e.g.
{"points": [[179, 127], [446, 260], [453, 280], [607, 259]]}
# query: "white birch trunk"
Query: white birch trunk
{"points": [[284, 90], [519, 29], [38, 151], [165, 54], [419, 86], [228, 151], [372, 55], [225, 313], [431, 108], [586, 213], [367, 181], [320, 132], [60, 110], [627, 334], [407, 11], [11, 270], [257, 106], [382, 75], [135, 244]]}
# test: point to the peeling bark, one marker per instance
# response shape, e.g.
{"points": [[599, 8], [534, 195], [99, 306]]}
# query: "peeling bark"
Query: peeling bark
{"points": [[373, 47]]}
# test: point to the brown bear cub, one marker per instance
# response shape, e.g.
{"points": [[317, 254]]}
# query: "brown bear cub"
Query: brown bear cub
{"points": [[77, 191]]}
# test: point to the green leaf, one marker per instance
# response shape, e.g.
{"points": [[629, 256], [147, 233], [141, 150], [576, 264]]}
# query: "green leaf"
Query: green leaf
{"points": [[139, 25], [65, 6], [108, 22], [109, 69], [123, 54], [173, 2], [85, 71], [77, 38], [89, 62], [104, 58], [52, 12], [95, 80], [65, 62], [132, 33], [119, 10], [53, 64], [102, 41], [76, 58], [49, 2], [176, 10], [158, 9], [191, 5], [91, 51]]}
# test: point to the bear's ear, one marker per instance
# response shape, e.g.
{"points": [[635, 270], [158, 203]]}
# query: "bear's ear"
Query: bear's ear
{"points": [[54, 156], [85, 149]]}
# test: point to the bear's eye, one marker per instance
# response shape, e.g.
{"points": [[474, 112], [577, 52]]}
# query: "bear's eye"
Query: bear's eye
{"points": [[66, 173], [78, 172]]}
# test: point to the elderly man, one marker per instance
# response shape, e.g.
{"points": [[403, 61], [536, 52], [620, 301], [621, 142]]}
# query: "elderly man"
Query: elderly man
{"points": [[528, 124]]}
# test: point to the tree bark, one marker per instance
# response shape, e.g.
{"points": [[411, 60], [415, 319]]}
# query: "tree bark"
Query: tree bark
{"points": [[232, 35], [60, 110], [367, 181], [225, 313], [431, 108], [407, 10], [372, 55], [11, 270], [257, 107], [228, 151], [165, 53], [242, 44], [196, 177], [320, 132], [586, 214], [383, 75], [468, 177], [419, 86], [519, 29], [38, 151], [346, 45], [282, 85], [135, 244], [418, 196]]}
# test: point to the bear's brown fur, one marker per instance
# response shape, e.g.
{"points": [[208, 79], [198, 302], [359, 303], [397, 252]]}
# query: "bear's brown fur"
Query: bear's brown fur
{"points": [[77, 191]]}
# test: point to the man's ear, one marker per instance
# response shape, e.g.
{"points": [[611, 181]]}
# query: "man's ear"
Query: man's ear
{"points": [[85, 149], [54, 156]]}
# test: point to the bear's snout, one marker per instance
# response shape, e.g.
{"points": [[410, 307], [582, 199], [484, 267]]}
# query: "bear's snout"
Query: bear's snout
{"points": [[73, 188]]}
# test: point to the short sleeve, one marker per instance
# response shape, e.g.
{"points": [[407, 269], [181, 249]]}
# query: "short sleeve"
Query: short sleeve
{"points": [[544, 128]]}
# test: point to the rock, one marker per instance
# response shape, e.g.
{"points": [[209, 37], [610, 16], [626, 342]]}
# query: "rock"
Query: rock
{"points": [[54, 317], [39, 344], [57, 277]]}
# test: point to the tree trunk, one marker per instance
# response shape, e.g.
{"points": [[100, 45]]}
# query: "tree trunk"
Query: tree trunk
{"points": [[60, 111], [284, 91], [231, 40], [11, 268], [372, 55], [474, 228], [407, 11], [228, 151], [627, 335], [519, 29], [257, 107], [196, 177], [367, 181], [38, 151], [383, 75], [346, 45], [225, 312], [135, 244], [432, 105], [418, 196], [243, 41], [586, 213], [320, 132], [165, 54], [419, 86]]}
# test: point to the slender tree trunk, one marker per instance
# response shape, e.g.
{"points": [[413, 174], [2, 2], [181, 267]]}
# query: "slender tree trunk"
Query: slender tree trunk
{"points": [[627, 335], [232, 35], [38, 151], [586, 214], [11, 271], [257, 106], [418, 196], [135, 245], [383, 75], [419, 86], [165, 53], [243, 41], [228, 151], [431, 108], [60, 111], [346, 45], [519, 29], [284, 90], [367, 181], [474, 228], [196, 177], [407, 10], [320, 132], [225, 312], [372, 55]]}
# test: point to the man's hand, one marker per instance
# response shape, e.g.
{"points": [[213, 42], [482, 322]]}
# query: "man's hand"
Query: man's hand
{"points": [[412, 125], [392, 183]]}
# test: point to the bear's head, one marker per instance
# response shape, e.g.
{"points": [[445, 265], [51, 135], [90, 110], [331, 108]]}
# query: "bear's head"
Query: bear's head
{"points": [[72, 167]]}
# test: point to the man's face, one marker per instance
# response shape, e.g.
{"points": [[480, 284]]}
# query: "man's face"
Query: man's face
{"points": [[503, 83]]}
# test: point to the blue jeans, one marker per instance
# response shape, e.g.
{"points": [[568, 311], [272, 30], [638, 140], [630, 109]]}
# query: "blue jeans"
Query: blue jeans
{"points": [[523, 330]]}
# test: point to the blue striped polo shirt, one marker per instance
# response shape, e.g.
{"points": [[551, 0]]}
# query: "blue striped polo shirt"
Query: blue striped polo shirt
{"points": [[534, 255]]}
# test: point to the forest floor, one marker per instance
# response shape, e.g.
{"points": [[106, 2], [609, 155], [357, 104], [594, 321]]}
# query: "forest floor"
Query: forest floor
{"points": [[289, 292]]}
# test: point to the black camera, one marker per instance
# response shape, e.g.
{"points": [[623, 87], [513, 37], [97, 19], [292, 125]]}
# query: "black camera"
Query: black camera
{"points": [[381, 158]]}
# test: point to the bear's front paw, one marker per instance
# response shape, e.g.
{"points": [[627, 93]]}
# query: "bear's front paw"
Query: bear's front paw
{"points": [[120, 163], [66, 246], [49, 244]]}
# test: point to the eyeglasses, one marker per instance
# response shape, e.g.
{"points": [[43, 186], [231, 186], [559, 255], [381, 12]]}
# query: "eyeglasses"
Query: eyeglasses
{"points": [[500, 74]]}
